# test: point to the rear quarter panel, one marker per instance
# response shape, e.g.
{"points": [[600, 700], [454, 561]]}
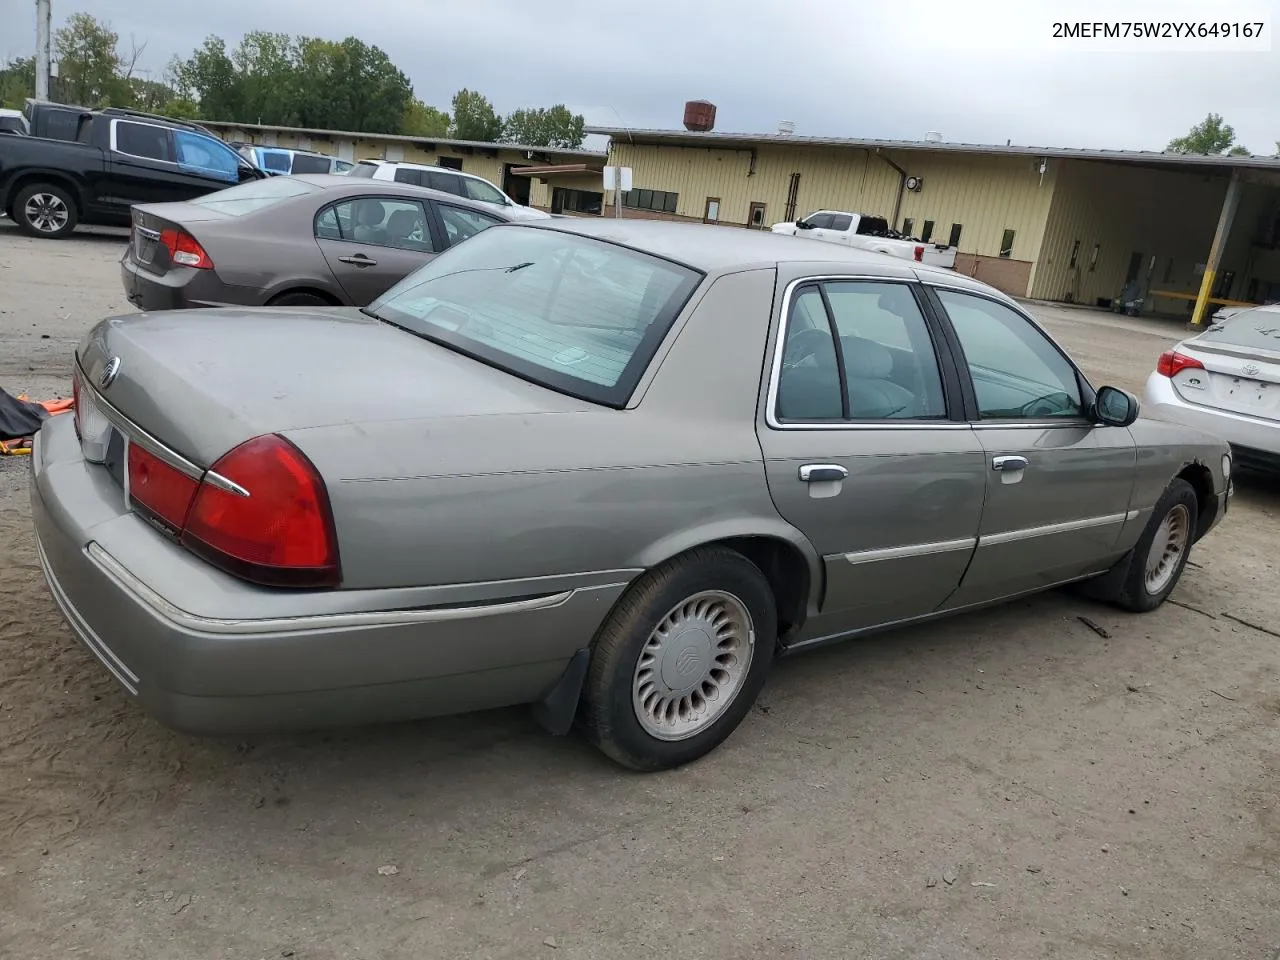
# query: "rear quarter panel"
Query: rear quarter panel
{"points": [[464, 500]]}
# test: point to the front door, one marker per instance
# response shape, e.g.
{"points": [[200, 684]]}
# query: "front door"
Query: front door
{"points": [[867, 453], [1058, 487], [371, 243]]}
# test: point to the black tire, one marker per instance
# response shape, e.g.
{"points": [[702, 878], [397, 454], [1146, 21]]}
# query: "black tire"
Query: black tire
{"points": [[1133, 592], [607, 713], [299, 300], [60, 213]]}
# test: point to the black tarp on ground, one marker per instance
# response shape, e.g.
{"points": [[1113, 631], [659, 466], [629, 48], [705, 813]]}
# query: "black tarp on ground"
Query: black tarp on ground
{"points": [[18, 418]]}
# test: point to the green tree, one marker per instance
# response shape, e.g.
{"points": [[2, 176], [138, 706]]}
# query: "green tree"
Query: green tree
{"points": [[17, 82], [91, 71], [208, 78], [545, 127], [421, 120], [266, 78], [474, 117], [1211, 137]]}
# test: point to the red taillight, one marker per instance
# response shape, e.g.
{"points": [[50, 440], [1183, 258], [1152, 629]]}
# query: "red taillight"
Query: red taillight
{"points": [[1172, 363], [159, 489], [281, 533], [184, 251], [919, 254]]}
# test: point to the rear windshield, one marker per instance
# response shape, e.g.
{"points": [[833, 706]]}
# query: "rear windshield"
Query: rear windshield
{"points": [[1253, 329], [307, 163], [572, 313], [254, 195], [362, 170]]}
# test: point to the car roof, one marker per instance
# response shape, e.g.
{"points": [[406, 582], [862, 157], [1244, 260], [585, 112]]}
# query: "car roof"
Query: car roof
{"points": [[423, 166], [343, 185], [716, 249]]}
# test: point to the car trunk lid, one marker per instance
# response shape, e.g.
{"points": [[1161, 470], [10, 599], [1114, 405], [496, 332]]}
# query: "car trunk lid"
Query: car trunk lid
{"points": [[202, 381], [1234, 379], [150, 221]]}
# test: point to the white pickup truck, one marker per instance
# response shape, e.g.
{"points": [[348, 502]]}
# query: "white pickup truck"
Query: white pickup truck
{"points": [[868, 233]]}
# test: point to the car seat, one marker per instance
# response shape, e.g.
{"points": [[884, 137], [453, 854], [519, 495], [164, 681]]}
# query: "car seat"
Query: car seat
{"points": [[369, 216]]}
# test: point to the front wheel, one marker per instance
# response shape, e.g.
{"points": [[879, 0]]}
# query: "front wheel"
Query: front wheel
{"points": [[1160, 556], [45, 210], [680, 660]]}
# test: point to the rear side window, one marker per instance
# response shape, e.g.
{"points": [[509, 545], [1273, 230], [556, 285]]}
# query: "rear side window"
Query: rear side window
{"points": [[841, 221], [206, 156], [142, 140], [409, 175], [306, 163], [365, 170], [254, 195], [445, 182], [273, 161]]}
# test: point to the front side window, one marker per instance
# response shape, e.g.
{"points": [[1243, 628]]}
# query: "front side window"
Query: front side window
{"points": [[819, 221], [1017, 372], [881, 358], [143, 140], [482, 191], [378, 221], [273, 161], [575, 314], [460, 223], [206, 156]]}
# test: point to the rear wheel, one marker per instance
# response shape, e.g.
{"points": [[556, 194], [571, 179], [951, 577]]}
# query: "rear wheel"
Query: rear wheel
{"points": [[45, 210], [1161, 553], [299, 300], [680, 660]]}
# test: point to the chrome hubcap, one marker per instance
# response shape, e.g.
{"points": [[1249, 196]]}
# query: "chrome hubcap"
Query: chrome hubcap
{"points": [[693, 665], [1168, 548], [46, 212]]}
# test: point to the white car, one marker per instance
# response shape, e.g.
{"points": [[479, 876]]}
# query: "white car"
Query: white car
{"points": [[868, 233], [1226, 381], [447, 180]]}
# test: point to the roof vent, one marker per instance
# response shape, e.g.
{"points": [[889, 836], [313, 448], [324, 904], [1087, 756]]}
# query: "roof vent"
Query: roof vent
{"points": [[699, 116], [786, 127], [933, 137]]}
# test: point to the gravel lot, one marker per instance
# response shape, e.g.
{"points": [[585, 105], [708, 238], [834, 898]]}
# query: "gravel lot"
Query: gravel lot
{"points": [[1008, 784]]}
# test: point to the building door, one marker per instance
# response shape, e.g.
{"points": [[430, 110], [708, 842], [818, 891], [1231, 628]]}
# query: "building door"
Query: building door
{"points": [[711, 212], [755, 217], [346, 150], [1135, 265], [517, 188]]}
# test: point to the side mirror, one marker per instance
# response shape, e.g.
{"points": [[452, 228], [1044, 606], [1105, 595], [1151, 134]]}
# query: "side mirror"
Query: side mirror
{"points": [[1114, 407], [801, 225]]}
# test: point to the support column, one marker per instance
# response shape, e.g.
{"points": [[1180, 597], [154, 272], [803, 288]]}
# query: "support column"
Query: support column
{"points": [[1230, 204]]}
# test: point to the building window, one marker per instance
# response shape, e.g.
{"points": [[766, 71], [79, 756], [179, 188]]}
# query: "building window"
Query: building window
{"points": [[908, 224], [1093, 260], [449, 163], [1075, 252], [1006, 244], [659, 200], [955, 235], [564, 200], [926, 234], [711, 213]]}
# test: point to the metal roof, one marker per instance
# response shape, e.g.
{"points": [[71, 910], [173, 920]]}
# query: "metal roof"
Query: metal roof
{"points": [[402, 138], [688, 138]]}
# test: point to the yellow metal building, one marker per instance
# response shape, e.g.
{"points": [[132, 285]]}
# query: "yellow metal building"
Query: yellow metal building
{"points": [[549, 178], [1053, 224]]}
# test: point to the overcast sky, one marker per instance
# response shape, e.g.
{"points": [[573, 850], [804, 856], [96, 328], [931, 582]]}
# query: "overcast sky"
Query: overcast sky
{"points": [[979, 71]]}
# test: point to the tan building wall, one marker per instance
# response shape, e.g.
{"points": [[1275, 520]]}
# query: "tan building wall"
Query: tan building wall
{"points": [[984, 195], [1125, 210]]}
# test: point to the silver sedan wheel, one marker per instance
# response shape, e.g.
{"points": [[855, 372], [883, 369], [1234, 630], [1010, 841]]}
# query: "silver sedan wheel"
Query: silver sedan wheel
{"points": [[1167, 548], [693, 665], [46, 212]]}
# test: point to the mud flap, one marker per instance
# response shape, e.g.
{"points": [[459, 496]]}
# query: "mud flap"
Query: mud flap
{"points": [[555, 712]]}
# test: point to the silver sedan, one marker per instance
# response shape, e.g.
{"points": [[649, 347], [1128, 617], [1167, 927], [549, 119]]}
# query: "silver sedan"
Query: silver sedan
{"points": [[609, 469], [1226, 381]]}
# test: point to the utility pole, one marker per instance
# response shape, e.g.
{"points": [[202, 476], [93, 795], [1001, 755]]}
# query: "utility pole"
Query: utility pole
{"points": [[43, 38]]}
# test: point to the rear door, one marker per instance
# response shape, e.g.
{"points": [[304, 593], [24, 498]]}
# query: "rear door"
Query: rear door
{"points": [[867, 451], [371, 243], [1058, 485]]}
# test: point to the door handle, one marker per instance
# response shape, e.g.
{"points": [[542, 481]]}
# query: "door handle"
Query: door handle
{"points": [[1009, 463], [359, 260], [820, 472]]}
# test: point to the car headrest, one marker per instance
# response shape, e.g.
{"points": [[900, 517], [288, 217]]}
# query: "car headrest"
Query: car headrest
{"points": [[865, 359], [369, 212], [401, 223]]}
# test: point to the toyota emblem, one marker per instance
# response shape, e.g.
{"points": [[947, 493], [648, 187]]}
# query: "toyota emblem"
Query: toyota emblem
{"points": [[109, 373], [1250, 370]]}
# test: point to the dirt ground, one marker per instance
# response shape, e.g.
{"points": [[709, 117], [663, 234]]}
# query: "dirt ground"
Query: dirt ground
{"points": [[1011, 784]]}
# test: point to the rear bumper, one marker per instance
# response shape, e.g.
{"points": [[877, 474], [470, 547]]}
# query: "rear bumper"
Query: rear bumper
{"points": [[180, 288], [195, 649], [1244, 433]]}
